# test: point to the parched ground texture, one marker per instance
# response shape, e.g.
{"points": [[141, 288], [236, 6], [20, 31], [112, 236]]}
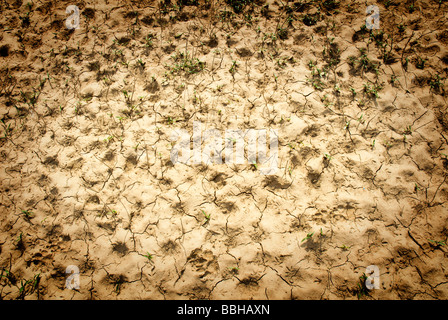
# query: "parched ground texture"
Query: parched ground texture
{"points": [[86, 175]]}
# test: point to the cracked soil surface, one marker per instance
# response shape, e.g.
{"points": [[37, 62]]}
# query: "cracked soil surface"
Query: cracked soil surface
{"points": [[86, 175]]}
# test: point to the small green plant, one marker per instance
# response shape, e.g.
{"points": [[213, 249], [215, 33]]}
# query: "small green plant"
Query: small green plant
{"points": [[170, 121], [317, 84], [148, 256], [234, 269], [372, 91], [148, 40], [311, 64], [344, 247], [233, 67], [438, 243], [23, 284], [361, 289], [435, 83], [420, 64], [337, 90], [408, 130], [405, 64], [254, 165], [308, 236], [310, 20], [361, 119], [28, 214], [109, 138], [207, 216], [186, 63], [416, 187], [7, 273], [19, 239], [8, 129], [238, 5], [362, 63], [140, 63], [36, 280], [111, 213]]}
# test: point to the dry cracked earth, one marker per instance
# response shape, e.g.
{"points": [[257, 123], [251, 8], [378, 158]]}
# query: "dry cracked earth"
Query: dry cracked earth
{"points": [[87, 179]]}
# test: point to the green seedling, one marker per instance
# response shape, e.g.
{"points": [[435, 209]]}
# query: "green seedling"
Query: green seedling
{"points": [[20, 238], [207, 216], [327, 157], [36, 280], [438, 243], [141, 63], [344, 247], [408, 130], [233, 67], [148, 40], [234, 269], [373, 144], [337, 89], [28, 214], [254, 165], [393, 80], [148, 256], [185, 63], [416, 187], [170, 121], [405, 64], [311, 64], [7, 273], [308, 236], [23, 285], [8, 130], [436, 82], [317, 84], [420, 63], [361, 288], [372, 90], [111, 213]]}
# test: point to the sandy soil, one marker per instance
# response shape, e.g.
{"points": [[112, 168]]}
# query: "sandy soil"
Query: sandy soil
{"points": [[86, 175]]}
